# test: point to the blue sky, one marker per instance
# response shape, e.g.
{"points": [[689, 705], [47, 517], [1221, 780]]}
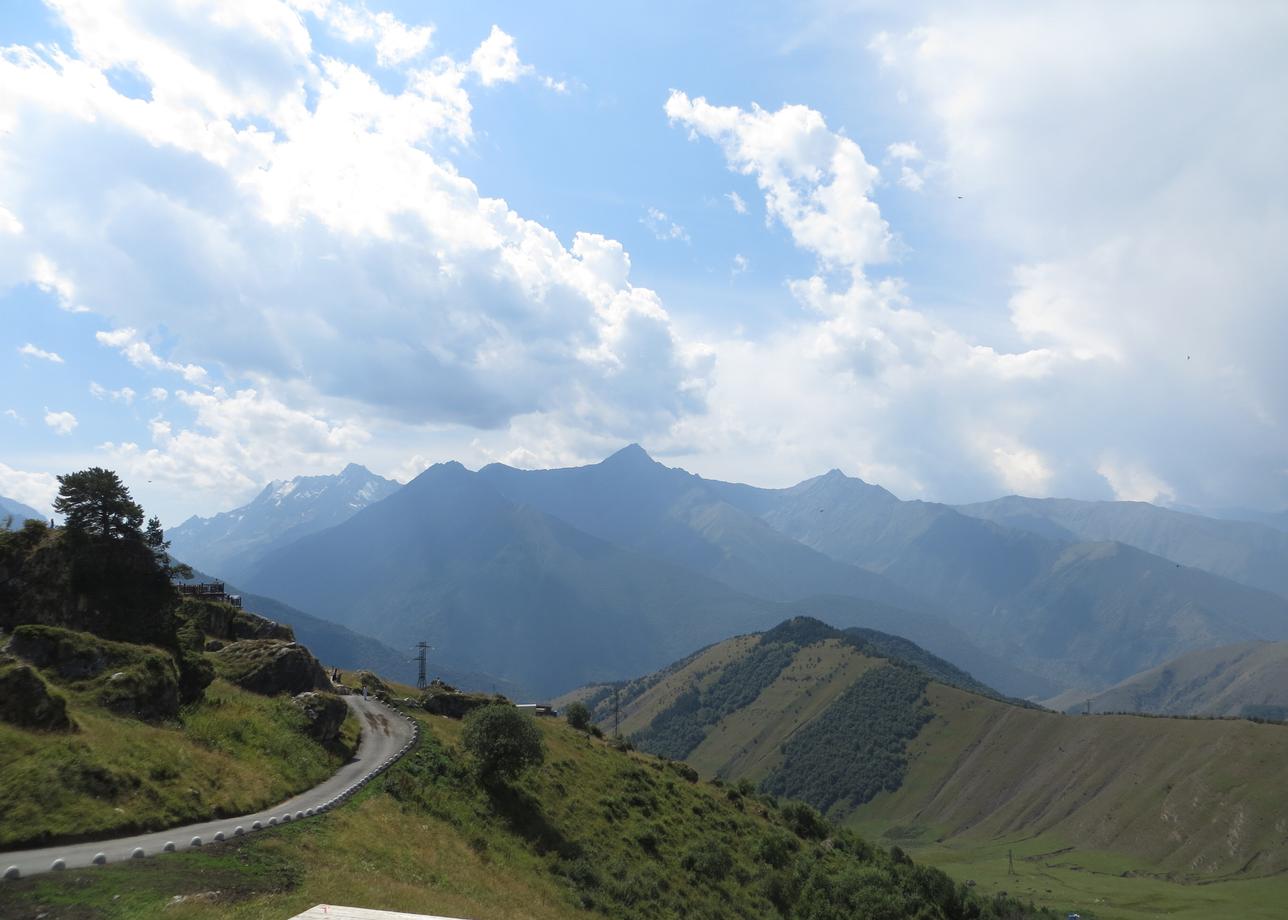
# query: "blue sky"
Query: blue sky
{"points": [[960, 252]]}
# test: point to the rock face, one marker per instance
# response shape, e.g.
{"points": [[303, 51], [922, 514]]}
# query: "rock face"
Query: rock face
{"points": [[443, 700], [133, 680], [224, 621], [325, 713], [270, 666], [71, 655], [26, 701]]}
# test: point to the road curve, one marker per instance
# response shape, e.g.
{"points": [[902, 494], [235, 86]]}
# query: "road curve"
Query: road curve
{"points": [[386, 736]]}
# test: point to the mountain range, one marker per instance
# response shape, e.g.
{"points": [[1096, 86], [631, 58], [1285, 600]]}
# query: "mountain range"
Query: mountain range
{"points": [[552, 578], [284, 511]]}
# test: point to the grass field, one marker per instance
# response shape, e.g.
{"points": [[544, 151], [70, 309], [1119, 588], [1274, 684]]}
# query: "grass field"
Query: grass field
{"points": [[594, 831], [232, 753], [1096, 884]]}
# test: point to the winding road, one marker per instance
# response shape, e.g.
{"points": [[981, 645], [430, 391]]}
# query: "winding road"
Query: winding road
{"points": [[386, 735]]}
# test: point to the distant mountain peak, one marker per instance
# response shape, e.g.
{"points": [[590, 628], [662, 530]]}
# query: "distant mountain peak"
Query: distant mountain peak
{"points": [[630, 455]]}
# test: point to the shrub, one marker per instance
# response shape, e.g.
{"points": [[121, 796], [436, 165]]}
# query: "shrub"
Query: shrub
{"points": [[805, 822], [502, 742], [578, 716]]}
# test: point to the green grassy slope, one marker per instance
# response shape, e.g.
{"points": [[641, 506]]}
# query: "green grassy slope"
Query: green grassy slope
{"points": [[954, 775], [593, 832], [233, 752]]}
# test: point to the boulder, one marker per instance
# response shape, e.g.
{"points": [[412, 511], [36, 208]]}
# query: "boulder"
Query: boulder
{"points": [[366, 680], [27, 702], [325, 714], [270, 666], [71, 655], [442, 700], [147, 689], [132, 680]]}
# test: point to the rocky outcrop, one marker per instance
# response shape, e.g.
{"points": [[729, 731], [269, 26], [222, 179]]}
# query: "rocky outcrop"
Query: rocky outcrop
{"points": [[444, 700], [225, 622], [367, 680], [69, 654], [325, 713], [132, 680], [270, 666], [27, 702]]}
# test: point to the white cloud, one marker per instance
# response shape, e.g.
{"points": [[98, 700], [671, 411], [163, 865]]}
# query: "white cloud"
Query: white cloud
{"points": [[63, 423], [140, 354], [35, 489], [395, 42], [124, 394], [32, 351], [662, 226], [15, 415], [236, 442], [275, 199], [740, 264], [158, 394], [1134, 482], [496, 59], [736, 201], [816, 182], [9, 223], [905, 153]]}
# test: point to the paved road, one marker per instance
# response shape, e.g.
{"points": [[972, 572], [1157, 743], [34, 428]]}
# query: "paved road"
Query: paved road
{"points": [[386, 736]]}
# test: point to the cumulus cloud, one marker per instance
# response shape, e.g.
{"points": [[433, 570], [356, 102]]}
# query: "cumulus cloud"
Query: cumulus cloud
{"points": [[737, 202], [815, 181], [63, 423], [34, 489], [236, 441], [395, 42], [32, 351], [277, 196], [1139, 244]]}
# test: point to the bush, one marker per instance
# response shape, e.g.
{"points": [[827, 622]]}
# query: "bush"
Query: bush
{"points": [[804, 821], [578, 716], [502, 742]]}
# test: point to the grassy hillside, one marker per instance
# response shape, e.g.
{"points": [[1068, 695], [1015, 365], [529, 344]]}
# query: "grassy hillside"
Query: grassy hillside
{"points": [[593, 832], [955, 775], [761, 707], [231, 753], [1249, 680]]}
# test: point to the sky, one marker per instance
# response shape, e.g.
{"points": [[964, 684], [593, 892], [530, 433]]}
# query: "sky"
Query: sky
{"points": [[961, 250]]}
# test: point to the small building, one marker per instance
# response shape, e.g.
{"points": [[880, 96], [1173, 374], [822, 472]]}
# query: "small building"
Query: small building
{"points": [[537, 709]]}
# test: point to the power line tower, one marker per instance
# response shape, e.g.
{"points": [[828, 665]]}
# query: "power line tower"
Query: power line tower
{"points": [[421, 681]]}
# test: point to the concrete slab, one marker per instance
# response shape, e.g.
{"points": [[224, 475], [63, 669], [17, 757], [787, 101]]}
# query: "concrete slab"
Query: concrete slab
{"points": [[337, 912]]}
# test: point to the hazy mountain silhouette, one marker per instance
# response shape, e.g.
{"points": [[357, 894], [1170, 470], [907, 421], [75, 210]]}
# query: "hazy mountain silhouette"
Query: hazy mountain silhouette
{"points": [[11, 507], [1251, 553], [232, 542], [507, 588], [1088, 614]]}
